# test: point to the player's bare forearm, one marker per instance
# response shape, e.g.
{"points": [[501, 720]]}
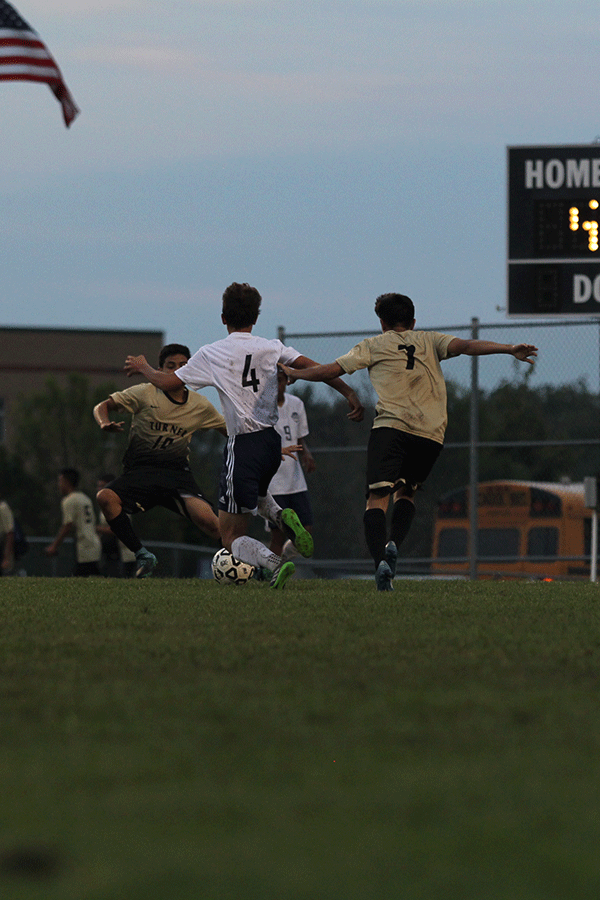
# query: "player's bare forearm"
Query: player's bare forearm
{"points": [[101, 415], [166, 381], [523, 352], [308, 370]]}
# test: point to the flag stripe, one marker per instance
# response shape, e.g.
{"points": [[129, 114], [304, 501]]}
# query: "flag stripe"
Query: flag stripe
{"points": [[24, 57], [22, 73]]}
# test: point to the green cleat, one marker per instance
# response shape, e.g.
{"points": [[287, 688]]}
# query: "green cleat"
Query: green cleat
{"points": [[293, 528], [282, 575]]}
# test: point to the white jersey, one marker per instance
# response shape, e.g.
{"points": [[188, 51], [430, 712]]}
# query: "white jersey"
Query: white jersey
{"points": [[77, 510], [292, 425], [243, 369]]}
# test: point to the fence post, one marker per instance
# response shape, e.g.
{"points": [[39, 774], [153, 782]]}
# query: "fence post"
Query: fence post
{"points": [[281, 333], [474, 458]]}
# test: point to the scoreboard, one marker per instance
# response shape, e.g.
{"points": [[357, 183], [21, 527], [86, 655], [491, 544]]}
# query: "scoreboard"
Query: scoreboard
{"points": [[553, 230]]}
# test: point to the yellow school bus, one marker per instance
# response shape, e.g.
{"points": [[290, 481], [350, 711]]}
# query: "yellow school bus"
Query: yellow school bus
{"points": [[529, 528]]}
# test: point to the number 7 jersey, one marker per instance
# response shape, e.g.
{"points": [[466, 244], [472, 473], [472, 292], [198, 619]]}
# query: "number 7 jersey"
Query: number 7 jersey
{"points": [[404, 368], [243, 369]]}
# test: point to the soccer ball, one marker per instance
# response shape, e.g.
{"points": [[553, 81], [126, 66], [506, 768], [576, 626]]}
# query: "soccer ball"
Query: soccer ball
{"points": [[227, 569]]}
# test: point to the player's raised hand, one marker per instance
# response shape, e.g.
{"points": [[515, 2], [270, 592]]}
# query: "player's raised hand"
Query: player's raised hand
{"points": [[113, 426], [525, 352], [134, 365]]}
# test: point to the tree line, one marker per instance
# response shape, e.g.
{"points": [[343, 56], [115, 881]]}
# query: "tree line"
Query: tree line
{"points": [[55, 429]]}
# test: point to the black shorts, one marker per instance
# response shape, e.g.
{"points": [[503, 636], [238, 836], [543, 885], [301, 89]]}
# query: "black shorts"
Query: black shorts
{"points": [[396, 457], [142, 489], [299, 502], [249, 463]]}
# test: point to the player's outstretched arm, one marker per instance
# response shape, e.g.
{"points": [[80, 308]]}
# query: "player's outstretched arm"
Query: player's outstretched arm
{"points": [[523, 352], [312, 371], [308, 370], [166, 381]]}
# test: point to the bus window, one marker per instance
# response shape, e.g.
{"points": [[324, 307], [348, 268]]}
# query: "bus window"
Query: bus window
{"points": [[542, 542], [452, 542], [499, 542]]}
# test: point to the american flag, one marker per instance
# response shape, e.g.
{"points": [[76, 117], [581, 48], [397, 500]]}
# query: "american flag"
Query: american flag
{"points": [[23, 57]]}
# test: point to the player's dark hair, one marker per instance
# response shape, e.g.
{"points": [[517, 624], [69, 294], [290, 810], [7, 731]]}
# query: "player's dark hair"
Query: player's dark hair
{"points": [[395, 309], [241, 305], [71, 475], [172, 350], [107, 477]]}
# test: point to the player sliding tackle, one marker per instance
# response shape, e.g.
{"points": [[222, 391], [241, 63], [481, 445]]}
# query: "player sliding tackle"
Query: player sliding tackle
{"points": [[410, 421], [243, 369]]}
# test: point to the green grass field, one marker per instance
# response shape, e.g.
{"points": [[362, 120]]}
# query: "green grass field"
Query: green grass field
{"points": [[179, 739]]}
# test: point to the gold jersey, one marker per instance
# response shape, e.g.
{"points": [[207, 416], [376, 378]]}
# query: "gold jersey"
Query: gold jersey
{"points": [[162, 428], [405, 371]]}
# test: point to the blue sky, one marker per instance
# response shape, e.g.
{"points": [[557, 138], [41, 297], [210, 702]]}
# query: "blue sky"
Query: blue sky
{"points": [[325, 151]]}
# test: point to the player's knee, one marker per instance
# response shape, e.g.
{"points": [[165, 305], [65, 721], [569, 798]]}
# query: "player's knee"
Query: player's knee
{"points": [[109, 502]]}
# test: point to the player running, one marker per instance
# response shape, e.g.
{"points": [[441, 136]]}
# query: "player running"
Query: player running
{"points": [[410, 421], [156, 470], [243, 369]]}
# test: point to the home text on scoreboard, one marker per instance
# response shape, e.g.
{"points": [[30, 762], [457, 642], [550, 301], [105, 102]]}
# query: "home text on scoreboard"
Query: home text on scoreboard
{"points": [[553, 230]]}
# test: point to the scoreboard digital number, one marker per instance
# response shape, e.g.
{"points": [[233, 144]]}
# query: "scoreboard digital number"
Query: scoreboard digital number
{"points": [[553, 230], [567, 227]]}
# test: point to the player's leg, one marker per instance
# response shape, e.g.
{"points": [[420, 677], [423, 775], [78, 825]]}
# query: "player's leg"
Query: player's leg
{"points": [[287, 521], [128, 492], [120, 524], [203, 516], [298, 544], [417, 459], [249, 463], [374, 521], [403, 513], [382, 470]]}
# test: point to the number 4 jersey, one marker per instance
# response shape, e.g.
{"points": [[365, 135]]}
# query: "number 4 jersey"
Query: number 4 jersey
{"points": [[404, 368], [243, 369], [162, 428]]}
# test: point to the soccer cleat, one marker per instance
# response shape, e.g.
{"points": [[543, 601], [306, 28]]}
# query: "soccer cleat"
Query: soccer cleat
{"points": [[296, 532], [383, 577], [391, 556], [146, 563], [282, 575]]}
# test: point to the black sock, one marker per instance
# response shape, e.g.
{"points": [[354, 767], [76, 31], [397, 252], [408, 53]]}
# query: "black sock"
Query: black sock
{"points": [[403, 514], [121, 526], [375, 533]]}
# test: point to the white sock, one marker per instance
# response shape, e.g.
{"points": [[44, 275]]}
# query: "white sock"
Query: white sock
{"points": [[255, 553], [271, 510]]}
